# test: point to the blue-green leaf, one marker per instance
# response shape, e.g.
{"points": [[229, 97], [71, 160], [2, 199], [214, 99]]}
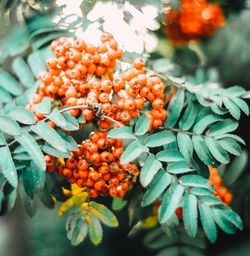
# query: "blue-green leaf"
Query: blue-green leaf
{"points": [[188, 117], [57, 118], [217, 150], [22, 115], [118, 203], [207, 222], [54, 152], [4, 96], [132, 151], [204, 123], [9, 125], [232, 108], [160, 139], [174, 108], [230, 146], [190, 214], [8, 167], [241, 104], [178, 167], [50, 135], [32, 148], [72, 123], [210, 200], [121, 133], [148, 171], [170, 156], [23, 72], [227, 125], [202, 151], [142, 125], [170, 202], [69, 141], [44, 107], [157, 186], [194, 180], [222, 222], [10, 84], [36, 62], [199, 191], [185, 145]]}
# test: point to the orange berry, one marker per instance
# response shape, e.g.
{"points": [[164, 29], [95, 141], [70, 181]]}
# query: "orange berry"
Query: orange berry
{"points": [[139, 63], [100, 185]]}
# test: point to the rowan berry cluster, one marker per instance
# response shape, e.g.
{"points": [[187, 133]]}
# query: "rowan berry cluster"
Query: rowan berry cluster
{"points": [[193, 21], [81, 74], [222, 192], [96, 166]]}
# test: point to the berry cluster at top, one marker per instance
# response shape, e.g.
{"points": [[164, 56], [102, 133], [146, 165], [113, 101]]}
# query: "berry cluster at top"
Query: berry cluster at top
{"points": [[81, 74], [96, 167], [194, 20]]}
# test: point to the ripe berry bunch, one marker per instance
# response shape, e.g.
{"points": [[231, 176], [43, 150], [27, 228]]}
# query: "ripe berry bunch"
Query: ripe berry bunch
{"points": [[194, 20], [96, 166], [222, 192], [74, 79]]}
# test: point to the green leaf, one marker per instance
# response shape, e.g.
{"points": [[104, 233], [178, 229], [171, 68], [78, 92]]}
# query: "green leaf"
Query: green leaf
{"points": [[230, 146], [204, 123], [30, 205], [189, 116], [198, 191], [210, 200], [72, 123], [10, 84], [178, 167], [4, 96], [2, 140], [33, 178], [236, 169], [207, 222], [50, 135], [32, 148], [170, 251], [190, 214], [22, 156], [104, 214], [95, 229], [185, 145], [122, 133], [229, 135], [23, 72], [160, 139], [194, 180], [9, 125], [217, 150], [57, 118], [22, 115], [227, 125], [233, 217], [241, 104], [174, 108], [54, 152], [70, 143], [222, 222], [118, 203], [232, 108], [202, 151], [149, 170], [132, 151], [44, 107], [36, 62], [8, 167], [142, 125], [79, 233], [170, 202], [157, 186], [170, 156]]}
